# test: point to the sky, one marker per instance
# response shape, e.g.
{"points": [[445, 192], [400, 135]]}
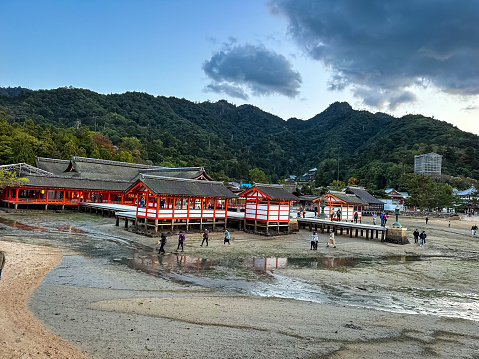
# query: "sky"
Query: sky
{"points": [[291, 58]]}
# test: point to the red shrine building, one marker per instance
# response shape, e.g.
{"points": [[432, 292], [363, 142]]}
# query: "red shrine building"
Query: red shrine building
{"points": [[157, 196], [339, 206], [267, 207]]}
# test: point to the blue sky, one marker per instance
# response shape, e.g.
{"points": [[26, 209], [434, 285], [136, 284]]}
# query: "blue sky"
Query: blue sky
{"points": [[291, 58]]}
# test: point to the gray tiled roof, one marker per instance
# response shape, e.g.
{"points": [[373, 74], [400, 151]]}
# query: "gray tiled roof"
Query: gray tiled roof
{"points": [[364, 195], [74, 183], [348, 198], [182, 172], [185, 187], [275, 192], [93, 168], [53, 165]]}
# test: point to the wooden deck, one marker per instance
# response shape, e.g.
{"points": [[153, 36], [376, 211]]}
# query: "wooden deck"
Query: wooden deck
{"points": [[368, 231]]}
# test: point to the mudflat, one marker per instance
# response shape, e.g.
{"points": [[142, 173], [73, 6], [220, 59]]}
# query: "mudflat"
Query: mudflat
{"points": [[362, 299]]}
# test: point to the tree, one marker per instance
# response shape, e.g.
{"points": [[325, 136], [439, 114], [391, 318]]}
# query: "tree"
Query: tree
{"points": [[257, 176], [10, 179], [337, 185], [352, 181]]}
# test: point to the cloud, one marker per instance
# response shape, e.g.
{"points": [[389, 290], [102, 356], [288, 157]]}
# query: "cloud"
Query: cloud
{"points": [[239, 70], [388, 47], [470, 108]]}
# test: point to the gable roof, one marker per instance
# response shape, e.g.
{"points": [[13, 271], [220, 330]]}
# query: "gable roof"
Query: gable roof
{"points": [[93, 168], [364, 195], [53, 165], [346, 198], [181, 172], [161, 185], [58, 182], [24, 169], [272, 192]]}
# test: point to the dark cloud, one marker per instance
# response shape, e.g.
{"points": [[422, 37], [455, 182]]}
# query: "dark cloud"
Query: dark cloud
{"points": [[230, 90], [381, 48], [238, 70]]}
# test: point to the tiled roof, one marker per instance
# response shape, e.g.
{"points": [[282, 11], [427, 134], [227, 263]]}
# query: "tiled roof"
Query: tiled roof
{"points": [[182, 172], [364, 195], [53, 165], [275, 192], [98, 169], [59, 182], [185, 187]]}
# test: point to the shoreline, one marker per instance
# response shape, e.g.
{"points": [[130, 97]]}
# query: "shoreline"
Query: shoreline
{"points": [[22, 334]]}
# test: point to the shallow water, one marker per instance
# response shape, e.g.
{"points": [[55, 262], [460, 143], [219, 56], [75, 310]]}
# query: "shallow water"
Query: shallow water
{"points": [[246, 276]]}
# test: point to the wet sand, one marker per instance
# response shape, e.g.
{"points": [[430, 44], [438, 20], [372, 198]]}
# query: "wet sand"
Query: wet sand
{"points": [[116, 312], [21, 334]]}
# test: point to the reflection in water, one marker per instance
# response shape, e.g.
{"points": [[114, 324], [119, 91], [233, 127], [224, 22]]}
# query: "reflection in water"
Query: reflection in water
{"points": [[18, 225]]}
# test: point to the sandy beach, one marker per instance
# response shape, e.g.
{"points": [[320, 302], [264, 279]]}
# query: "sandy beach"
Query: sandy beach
{"points": [[416, 302]]}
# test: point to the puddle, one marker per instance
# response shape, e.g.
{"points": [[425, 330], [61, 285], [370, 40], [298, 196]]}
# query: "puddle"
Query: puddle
{"points": [[21, 226]]}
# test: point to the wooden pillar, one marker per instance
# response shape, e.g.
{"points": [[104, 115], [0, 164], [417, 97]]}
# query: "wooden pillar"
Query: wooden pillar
{"points": [[117, 222], [156, 225], [255, 223], [362, 234], [214, 222], [350, 233]]}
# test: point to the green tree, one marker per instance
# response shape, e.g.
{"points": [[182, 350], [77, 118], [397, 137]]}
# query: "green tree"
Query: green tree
{"points": [[10, 179], [257, 176], [336, 185]]}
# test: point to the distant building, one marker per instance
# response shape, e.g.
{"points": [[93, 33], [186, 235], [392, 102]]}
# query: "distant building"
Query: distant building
{"points": [[428, 164]]}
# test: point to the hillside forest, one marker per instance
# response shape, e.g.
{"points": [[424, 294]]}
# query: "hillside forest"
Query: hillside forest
{"points": [[232, 142]]}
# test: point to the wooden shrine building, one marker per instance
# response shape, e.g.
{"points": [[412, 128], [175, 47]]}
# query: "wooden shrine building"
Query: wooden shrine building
{"points": [[266, 207], [174, 202], [340, 206], [165, 196]]}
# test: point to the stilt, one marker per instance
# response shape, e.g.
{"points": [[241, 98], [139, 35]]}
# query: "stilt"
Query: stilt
{"points": [[126, 222], [156, 225], [117, 223]]}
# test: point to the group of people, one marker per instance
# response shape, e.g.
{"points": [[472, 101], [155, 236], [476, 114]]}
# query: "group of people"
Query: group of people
{"points": [[181, 240], [383, 217], [315, 240], [419, 237]]}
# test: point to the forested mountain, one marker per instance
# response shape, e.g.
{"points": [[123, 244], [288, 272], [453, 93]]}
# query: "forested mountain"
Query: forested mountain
{"points": [[228, 140]]}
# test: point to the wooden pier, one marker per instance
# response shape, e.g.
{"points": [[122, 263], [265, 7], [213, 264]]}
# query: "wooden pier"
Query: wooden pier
{"points": [[368, 231]]}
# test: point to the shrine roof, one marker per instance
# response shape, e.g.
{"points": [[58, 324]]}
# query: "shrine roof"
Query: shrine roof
{"points": [[53, 165], [57, 182], [364, 195], [161, 185], [181, 172], [274, 192]]}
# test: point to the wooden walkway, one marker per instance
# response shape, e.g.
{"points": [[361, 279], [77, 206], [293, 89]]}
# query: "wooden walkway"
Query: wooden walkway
{"points": [[368, 231]]}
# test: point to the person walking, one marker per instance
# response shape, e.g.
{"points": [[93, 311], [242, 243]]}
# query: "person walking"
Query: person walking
{"points": [[449, 224], [181, 240], [356, 215], [374, 218], [162, 242], [423, 236], [2, 262], [331, 240], [205, 237], [385, 219], [227, 238], [416, 236], [382, 219], [427, 219], [314, 241]]}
